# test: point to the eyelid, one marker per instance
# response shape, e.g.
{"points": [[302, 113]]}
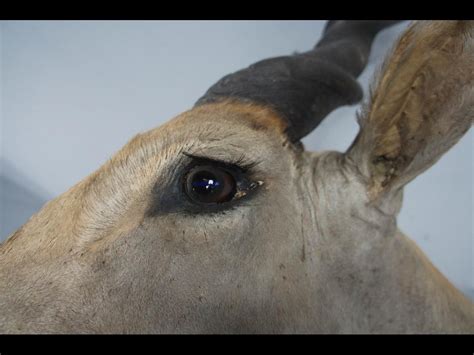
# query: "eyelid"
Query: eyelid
{"points": [[241, 163]]}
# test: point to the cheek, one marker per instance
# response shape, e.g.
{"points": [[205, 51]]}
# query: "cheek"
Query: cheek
{"points": [[205, 236]]}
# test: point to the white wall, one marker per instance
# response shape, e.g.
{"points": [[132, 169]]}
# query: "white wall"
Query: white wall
{"points": [[1, 114], [75, 92]]}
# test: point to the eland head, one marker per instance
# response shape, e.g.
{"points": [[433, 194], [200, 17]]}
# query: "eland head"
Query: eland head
{"points": [[219, 221]]}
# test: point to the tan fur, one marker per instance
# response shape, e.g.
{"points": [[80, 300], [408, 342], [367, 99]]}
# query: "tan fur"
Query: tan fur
{"points": [[313, 251], [429, 76]]}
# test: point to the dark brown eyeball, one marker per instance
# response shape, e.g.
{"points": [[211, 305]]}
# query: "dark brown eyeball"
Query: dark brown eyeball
{"points": [[209, 184]]}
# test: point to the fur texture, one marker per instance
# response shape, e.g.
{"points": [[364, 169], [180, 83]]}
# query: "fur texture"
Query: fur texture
{"points": [[315, 250]]}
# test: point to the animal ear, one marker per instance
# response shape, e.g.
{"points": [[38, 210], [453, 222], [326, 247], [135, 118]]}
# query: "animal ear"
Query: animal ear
{"points": [[421, 105]]}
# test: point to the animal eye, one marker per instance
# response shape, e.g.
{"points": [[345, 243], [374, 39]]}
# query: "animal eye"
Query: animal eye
{"points": [[209, 184]]}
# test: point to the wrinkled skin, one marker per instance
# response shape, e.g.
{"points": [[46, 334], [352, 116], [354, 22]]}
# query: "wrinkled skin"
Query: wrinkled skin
{"points": [[314, 248]]}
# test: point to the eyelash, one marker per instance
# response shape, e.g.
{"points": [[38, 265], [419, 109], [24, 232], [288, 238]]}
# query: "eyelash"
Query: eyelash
{"points": [[242, 164]]}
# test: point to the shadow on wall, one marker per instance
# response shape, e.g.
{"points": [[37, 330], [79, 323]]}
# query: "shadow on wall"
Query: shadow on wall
{"points": [[20, 198]]}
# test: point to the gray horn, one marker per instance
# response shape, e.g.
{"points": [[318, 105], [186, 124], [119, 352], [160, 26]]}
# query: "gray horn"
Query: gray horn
{"points": [[304, 88]]}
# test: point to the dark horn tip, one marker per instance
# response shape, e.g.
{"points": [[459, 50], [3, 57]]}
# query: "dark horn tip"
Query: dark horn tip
{"points": [[304, 88]]}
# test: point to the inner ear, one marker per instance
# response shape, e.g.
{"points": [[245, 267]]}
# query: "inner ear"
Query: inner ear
{"points": [[420, 107]]}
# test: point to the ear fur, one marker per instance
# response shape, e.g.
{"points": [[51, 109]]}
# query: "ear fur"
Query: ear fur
{"points": [[422, 103]]}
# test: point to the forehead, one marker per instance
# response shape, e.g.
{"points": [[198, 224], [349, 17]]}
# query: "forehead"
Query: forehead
{"points": [[220, 128], [233, 116]]}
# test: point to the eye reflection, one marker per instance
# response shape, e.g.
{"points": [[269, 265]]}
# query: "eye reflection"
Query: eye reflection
{"points": [[209, 184]]}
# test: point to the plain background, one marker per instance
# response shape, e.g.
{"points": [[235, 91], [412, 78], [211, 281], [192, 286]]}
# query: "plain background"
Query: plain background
{"points": [[73, 93]]}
